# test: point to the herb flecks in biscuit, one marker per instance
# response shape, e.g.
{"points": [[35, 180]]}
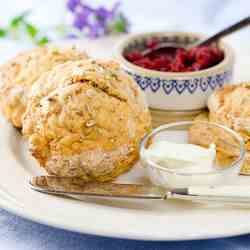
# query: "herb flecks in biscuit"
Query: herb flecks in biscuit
{"points": [[19, 74], [86, 119]]}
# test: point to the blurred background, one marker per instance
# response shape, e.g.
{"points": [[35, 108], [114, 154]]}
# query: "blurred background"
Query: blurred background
{"points": [[190, 15], [45, 21], [202, 15]]}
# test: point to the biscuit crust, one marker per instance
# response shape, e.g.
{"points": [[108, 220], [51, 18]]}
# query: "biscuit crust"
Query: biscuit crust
{"points": [[86, 119], [230, 106], [18, 75], [201, 135]]}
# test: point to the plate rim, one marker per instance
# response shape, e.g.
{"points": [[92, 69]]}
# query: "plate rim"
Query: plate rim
{"points": [[28, 213], [42, 220]]}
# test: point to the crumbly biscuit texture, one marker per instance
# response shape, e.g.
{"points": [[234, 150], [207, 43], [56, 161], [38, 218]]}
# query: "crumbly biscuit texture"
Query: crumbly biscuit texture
{"points": [[18, 75], [202, 135], [86, 119], [230, 106]]}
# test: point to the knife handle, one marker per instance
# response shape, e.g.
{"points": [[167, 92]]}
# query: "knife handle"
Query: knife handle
{"points": [[228, 195], [225, 191]]}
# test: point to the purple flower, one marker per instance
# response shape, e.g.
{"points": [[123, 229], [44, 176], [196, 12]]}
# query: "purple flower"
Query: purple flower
{"points": [[79, 22], [95, 22], [81, 18], [94, 29], [73, 4], [103, 14]]}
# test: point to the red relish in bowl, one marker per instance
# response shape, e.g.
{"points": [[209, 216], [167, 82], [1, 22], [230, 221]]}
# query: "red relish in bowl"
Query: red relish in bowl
{"points": [[176, 59]]}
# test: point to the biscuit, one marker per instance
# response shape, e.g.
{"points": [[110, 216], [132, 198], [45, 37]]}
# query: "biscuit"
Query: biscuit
{"points": [[226, 152], [230, 106], [18, 75], [86, 119]]}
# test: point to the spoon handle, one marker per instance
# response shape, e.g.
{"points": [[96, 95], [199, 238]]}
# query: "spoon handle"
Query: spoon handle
{"points": [[227, 31]]}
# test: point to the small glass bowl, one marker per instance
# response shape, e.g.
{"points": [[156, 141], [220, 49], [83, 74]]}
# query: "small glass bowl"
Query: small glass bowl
{"points": [[230, 152]]}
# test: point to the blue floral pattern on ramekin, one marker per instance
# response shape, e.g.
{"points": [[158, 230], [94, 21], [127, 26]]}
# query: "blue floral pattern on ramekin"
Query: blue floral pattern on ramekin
{"points": [[182, 86]]}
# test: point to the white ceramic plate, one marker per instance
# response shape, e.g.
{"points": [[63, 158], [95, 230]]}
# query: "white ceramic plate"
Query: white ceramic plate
{"points": [[145, 220]]}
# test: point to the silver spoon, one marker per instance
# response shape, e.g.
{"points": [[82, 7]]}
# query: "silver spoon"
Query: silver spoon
{"points": [[227, 31]]}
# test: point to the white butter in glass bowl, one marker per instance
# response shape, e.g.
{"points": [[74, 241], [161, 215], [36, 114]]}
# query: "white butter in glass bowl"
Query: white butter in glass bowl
{"points": [[184, 158], [171, 161]]}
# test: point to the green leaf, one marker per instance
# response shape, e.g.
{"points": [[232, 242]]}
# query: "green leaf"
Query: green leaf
{"points": [[43, 41], [17, 20], [31, 30], [119, 25], [3, 32]]}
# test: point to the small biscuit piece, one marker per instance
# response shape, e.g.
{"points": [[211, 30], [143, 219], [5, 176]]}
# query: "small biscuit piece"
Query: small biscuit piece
{"points": [[230, 106], [18, 75], [200, 134], [86, 119]]}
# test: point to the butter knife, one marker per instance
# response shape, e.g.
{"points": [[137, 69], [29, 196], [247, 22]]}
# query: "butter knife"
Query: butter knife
{"points": [[78, 189]]}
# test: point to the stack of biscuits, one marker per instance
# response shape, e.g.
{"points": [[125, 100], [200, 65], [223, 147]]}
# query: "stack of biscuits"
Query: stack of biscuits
{"points": [[82, 117]]}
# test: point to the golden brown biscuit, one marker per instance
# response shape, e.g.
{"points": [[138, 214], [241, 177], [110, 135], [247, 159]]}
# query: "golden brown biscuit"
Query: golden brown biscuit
{"points": [[200, 134], [86, 119], [18, 75], [230, 106]]}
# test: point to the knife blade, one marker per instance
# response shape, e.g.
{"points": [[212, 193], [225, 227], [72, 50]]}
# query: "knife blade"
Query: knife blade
{"points": [[76, 186], [78, 189]]}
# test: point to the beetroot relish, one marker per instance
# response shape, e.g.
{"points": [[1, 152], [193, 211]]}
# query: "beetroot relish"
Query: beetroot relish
{"points": [[176, 60]]}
